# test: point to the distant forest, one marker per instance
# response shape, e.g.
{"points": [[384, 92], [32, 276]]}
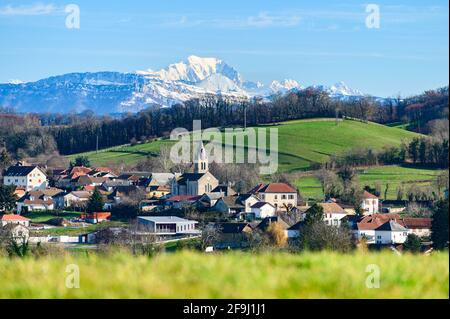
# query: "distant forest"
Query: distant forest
{"points": [[33, 134]]}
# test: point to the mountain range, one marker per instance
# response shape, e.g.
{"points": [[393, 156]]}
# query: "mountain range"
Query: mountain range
{"points": [[116, 92]]}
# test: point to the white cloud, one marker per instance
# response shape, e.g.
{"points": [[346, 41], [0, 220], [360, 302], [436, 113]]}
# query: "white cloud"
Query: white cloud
{"points": [[28, 10]]}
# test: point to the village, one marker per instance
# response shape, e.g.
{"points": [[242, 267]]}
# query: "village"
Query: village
{"points": [[92, 205]]}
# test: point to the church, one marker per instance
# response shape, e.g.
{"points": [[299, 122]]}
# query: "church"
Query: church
{"points": [[197, 183]]}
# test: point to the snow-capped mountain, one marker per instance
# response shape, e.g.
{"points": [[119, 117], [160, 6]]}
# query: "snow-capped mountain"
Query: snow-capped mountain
{"points": [[112, 92]]}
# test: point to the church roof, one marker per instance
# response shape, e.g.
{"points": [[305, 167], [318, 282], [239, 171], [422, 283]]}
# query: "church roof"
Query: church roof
{"points": [[189, 177]]}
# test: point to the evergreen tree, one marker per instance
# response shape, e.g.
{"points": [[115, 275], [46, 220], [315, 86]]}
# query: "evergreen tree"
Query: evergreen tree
{"points": [[7, 198], [439, 226], [314, 215], [412, 243], [96, 202]]}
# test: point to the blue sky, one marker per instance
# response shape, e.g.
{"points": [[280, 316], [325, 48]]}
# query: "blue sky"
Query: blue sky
{"points": [[313, 42]]}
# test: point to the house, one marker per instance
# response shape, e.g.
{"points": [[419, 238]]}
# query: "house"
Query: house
{"points": [[72, 199], [121, 192], [14, 219], [247, 200], [228, 205], [197, 183], [233, 235], [27, 177], [157, 191], [110, 185], [224, 190], [35, 201], [86, 180], [66, 177], [97, 217], [370, 203], [294, 230], [381, 229], [103, 172], [263, 210], [159, 179], [418, 226], [332, 213], [181, 201], [280, 195], [168, 226]]}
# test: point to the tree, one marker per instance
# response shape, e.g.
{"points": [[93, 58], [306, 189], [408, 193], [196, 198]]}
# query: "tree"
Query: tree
{"points": [[314, 215], [277, 235], [96, 202], [412, 243], [320, 236], [210, 235], [81, 161], [439, 225], [7, 198], [5, 159]]}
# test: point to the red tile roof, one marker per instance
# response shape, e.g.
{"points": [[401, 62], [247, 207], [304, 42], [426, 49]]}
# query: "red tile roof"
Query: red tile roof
{"points": [[277, 188], [417, 223], [179, 198], [12, 217], [369, 195]]}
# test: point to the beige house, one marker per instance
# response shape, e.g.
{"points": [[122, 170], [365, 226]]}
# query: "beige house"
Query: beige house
{"points": [[279, 195], [197, 183], [29, 178], [370, 204]]}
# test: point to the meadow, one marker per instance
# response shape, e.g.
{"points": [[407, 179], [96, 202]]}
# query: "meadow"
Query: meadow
{"points": [[393, 175], [301, 143], [227, 275]]}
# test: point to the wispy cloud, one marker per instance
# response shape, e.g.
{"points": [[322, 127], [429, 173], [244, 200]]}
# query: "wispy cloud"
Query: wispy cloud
{"points": [[261, 20], [28, 10]]}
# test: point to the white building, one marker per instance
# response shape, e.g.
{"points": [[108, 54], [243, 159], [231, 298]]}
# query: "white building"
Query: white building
{"points": [[170, 225], [280, 195], [14, 219], [263, 210], [74, 198], [27, 177], [381, 229], [35, 201], [370, 204]]}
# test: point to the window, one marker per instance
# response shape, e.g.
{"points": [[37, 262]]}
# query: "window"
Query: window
{"points": [[276, 197], [378, 237], [283, 196], [291, 196]]}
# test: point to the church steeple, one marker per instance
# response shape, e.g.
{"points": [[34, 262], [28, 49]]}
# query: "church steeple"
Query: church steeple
{"points": [[201, 162]]}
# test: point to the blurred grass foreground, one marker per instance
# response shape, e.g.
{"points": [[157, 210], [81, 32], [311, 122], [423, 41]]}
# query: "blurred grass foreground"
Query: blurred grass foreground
{"points": [[228, 275]]}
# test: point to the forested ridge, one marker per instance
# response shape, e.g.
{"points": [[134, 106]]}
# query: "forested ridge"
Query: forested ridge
{"points": [[33, 134]]}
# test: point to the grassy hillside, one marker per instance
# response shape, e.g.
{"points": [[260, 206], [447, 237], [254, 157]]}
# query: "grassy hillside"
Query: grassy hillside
{"points": [[231, 275], [301, 143], [393, 175]]}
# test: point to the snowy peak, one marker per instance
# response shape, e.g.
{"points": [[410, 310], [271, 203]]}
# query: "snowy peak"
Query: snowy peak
{"points": [[194, 70], [284, 86], [341, 88]]}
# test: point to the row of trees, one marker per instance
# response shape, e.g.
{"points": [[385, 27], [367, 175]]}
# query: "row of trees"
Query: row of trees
{"points": [[422, 151]]}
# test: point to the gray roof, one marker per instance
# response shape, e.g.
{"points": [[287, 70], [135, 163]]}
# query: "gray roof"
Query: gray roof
{"points": [[19, 170], [166, 219], [392, 226]]}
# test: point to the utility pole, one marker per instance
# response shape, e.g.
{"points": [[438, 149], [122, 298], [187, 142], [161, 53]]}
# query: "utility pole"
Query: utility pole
{"points": [[245, 117], [96, 145]]}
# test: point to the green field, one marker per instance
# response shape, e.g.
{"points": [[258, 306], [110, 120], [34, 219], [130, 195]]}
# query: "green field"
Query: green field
{"points": [[393, 175], [301, 143], [228, 275], [41, 217]]}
